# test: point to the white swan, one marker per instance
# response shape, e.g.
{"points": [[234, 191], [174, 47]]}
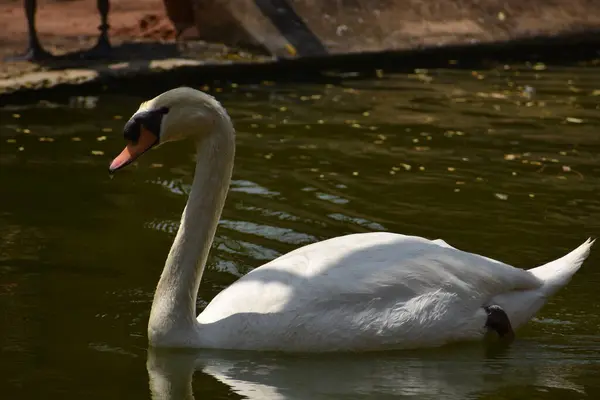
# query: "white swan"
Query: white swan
{"points": [[370, 291]]}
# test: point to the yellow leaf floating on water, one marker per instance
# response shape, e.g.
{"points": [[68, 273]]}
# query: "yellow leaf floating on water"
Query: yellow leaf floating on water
{"points": [[97, 152], [355, 173], [11, 141], [46, 139], [26, 131], [117, 117], [451, 169], [101, 138], [16, 116], [156, 165], [501, 196], [21, 148], [76, 139], [574, 120]]}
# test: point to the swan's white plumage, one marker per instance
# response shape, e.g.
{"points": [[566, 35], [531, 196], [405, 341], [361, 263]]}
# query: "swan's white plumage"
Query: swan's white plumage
{"points": [[365, 292], [369, 291]]}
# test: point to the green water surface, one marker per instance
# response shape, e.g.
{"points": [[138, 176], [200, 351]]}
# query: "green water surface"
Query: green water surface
{"points": [[476, 158]]}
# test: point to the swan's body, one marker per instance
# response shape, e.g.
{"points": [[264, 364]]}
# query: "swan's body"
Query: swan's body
{"points": [[369, 291]]}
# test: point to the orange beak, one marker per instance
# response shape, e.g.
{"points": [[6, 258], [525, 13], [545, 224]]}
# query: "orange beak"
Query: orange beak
{"points": [[134, 150]]}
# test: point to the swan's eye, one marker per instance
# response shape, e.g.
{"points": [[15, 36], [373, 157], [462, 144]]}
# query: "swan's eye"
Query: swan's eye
{"points": [[150, 119], [131, 130]]}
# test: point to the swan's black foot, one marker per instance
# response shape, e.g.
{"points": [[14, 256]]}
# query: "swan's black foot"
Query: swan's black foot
{"points": [[498, 321], [35, 53]]}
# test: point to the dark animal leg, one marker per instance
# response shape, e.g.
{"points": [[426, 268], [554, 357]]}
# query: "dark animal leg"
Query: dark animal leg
{"points": [[35, 50], [102, 48], [498, 321]]}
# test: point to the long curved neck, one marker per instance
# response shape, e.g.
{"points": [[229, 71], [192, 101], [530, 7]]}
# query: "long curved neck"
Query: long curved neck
{"points": [[173, 314]]}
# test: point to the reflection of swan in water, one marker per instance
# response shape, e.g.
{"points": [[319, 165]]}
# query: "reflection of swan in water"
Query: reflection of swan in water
{"points": [[454, 373]]}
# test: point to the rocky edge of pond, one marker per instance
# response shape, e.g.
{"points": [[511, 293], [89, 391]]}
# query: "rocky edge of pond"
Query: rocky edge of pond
{"points": [[201, 62]]}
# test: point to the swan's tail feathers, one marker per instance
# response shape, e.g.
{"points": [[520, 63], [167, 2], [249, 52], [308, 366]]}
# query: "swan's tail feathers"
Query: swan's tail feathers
{"points": [[558, 273]]}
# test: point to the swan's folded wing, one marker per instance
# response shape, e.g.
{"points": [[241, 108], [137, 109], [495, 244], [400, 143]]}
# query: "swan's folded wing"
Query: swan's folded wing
{"points": [[384, 264], [359, 268]]}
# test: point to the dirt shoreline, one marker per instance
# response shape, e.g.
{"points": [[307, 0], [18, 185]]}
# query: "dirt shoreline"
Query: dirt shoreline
{"points": [[145, 51]]}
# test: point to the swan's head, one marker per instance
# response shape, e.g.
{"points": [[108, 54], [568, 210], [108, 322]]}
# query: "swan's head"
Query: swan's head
{"points": [[172, 115]]}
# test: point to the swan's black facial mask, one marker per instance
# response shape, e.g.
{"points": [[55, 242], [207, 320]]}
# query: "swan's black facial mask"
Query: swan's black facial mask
{"points": [[142, 132]]}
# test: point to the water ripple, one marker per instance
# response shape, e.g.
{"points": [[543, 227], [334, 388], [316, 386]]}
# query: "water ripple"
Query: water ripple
{"points": [[358, 221], [255, 251], [251, 188], [284, 235]]}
